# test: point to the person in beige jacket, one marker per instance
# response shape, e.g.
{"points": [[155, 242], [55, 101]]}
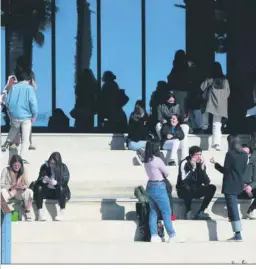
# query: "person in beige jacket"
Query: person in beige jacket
{"points": [[15, 184]]}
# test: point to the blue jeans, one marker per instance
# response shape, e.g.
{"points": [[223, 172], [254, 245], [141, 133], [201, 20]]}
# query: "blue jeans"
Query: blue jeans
{"points": [[233, 214], [159, 200], [136, 145]]}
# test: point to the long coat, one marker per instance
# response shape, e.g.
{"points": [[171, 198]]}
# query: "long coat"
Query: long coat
{"points": [[217, 96]]}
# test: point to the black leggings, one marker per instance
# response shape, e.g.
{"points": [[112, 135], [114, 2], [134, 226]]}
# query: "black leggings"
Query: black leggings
{"points": [[43, 192], [203, 191]]}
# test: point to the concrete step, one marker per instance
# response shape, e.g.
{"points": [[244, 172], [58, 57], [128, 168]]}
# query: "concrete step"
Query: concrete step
{"points": [[133, 253], [121, 231], [124, 209], [82, 142]]}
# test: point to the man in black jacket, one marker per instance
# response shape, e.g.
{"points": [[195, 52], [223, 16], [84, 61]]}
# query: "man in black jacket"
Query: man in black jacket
{"points": [[172, 134], [193, 182], [249, 191]]}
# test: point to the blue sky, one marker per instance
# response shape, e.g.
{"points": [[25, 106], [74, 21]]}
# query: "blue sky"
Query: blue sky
{"points": [[121, 49]]}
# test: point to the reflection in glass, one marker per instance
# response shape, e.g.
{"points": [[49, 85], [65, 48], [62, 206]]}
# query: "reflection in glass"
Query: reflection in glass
{"points": [[121, 50], [165, 34], [76, 61], [41, 65]]}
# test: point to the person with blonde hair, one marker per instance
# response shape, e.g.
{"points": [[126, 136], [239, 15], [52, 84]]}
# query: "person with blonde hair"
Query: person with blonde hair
{"points": [[15, 184]]}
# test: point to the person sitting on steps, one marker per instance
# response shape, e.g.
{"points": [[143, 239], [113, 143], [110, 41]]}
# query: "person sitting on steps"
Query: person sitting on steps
{"points": [[193, 182], [165, 111], [15, 184], [52, 183], [171, 134]]}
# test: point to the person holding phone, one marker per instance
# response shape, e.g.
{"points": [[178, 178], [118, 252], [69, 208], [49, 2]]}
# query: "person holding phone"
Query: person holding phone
{"points": [[193, 182], [52, 183]]}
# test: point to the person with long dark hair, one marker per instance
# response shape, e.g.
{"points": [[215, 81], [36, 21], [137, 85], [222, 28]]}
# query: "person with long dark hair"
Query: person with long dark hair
{"points": [[52, 183], [215, 92], [233, 171], [157, 192], [172, 134], [15, 184], [138, 127]]}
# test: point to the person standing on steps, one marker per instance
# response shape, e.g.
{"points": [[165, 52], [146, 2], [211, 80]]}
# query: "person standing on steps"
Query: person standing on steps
{"points": [[193, 183], [249, 180], [157, 191], [233, 171], [52, 183], [21, 104], [215, 93]]}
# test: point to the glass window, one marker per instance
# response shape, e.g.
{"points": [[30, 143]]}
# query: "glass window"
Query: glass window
{"points": [[76, 51], [41, 65], [121, 49], [165, 34]]}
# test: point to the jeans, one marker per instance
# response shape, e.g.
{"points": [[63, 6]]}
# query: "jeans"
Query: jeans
{"points": [[183, 143], [172, 147], [132, 145], [203, 191], [196, 119], [233, 214], [25, 126], [159, 200]]}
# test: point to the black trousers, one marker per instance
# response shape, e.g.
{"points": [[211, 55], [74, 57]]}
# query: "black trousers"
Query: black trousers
{"points": [[43, 192], [203, 191], [244, 195]]}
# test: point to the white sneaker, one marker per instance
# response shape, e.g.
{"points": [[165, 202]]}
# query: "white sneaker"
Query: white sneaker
{"points": [[190, 215], [175, 239], [156, 239], [251, 215], [217, 147], [41, 216], [60, 214]]}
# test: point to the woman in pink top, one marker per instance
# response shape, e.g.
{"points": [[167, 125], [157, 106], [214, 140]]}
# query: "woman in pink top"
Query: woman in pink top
{"points": [[156, 190]]}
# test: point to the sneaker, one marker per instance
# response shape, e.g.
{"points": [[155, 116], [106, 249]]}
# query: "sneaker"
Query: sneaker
{"points": [[140, 153], [13, 146], [190, 215], [41, 216], [59, 215], [236, 238], [25, 162], [202, 216], [174, 239], [172, 163], [28, 216], [251, 215], [5, 146], [31, 147], [155, 239], [217, 147]]}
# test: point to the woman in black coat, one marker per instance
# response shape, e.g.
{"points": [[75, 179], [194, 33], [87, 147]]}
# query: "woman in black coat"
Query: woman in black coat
{"points": [[233, 170], [52, 183]]}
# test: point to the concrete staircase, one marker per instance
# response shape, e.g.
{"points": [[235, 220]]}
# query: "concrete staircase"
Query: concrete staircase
{"points": [[99, 224]]}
